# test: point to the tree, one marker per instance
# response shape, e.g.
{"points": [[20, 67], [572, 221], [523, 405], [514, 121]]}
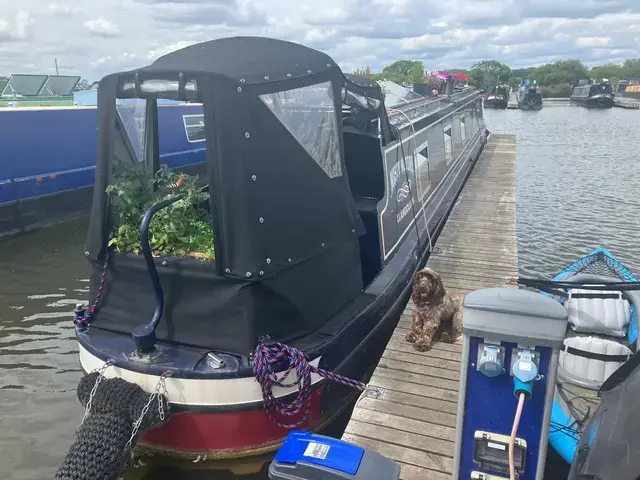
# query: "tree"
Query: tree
{"points": [[631, 67], [83, 84], [364, 72], [403, 71], [486, 73], [562, 71]]}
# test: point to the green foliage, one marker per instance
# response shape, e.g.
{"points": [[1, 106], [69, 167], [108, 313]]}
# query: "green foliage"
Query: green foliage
{"points": [[364, 71], [183, 229], [562, 90], [487, 73], [403, 71]]}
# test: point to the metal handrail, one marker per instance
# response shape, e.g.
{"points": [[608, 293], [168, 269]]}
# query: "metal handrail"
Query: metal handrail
{"points": [[144, 335]]}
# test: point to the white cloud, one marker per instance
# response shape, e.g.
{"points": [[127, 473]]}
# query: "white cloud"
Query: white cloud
{"points": [[102, 28], [123, 34], [18, 29]]}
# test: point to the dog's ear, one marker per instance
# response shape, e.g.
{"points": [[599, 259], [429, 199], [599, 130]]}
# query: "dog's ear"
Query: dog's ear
{"points": [[438, 286]]}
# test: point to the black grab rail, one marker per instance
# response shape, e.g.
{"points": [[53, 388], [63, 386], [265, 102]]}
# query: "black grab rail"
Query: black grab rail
{"points": [[144, 335]]}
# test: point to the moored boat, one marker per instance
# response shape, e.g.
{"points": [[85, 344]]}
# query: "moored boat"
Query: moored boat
{"points": [[319, 222], [593, 95], [629, 88], [497, 97], [602, 297], [529, 95], [53, 155]]}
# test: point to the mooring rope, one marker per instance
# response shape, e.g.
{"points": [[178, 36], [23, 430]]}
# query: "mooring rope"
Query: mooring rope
{"points": [[82, 318], [266, 356]]}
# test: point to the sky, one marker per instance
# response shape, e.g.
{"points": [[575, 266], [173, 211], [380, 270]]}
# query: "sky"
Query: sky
{"points": [[92, 39]]}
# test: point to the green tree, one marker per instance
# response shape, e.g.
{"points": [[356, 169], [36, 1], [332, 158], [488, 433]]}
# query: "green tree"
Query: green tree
{"points": [[364, 71], [403, 71], [562, 71], [631, 67], [486, 73]]}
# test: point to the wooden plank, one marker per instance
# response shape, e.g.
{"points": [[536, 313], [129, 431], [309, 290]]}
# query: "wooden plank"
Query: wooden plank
{"points": [[413, 420]]}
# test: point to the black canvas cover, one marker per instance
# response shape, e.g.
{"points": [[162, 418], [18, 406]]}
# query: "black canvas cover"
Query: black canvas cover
{"points": [[609, 448], [285, 224], [369, 88]]}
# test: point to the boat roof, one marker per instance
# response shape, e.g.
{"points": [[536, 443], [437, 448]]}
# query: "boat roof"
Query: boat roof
{"points": [[250, 60]]}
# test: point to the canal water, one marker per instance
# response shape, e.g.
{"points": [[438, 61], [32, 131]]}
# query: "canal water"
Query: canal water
{"points": [[577, 190]]}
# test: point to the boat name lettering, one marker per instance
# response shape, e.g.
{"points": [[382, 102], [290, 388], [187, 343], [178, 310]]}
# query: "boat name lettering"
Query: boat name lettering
{"points": [[403, 213]]}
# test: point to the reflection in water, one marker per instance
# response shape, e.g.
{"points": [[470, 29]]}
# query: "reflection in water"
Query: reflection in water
{"points": [[577, 178]]}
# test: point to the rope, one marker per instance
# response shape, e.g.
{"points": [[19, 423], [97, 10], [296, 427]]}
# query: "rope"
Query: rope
{"points": [[81, 318], [266, 356]]}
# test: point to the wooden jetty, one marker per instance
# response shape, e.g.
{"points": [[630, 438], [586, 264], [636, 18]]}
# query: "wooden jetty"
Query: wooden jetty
{"points": [[412, 417], [626, 102]]}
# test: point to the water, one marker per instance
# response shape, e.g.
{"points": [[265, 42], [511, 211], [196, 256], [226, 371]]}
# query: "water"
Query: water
{"points": [[577, 179]]}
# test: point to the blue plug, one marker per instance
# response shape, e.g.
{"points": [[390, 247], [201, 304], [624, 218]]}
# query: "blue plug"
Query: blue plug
{"points": [[525, 372]]}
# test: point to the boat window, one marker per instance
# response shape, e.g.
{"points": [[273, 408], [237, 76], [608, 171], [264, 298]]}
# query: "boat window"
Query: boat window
{"points": [[422, 171], [448, 147], [194, 128], [132, 113], [309, 114]]}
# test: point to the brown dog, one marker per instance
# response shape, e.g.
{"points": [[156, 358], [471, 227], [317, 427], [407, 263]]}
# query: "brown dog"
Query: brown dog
{"points": [[434, 310]]}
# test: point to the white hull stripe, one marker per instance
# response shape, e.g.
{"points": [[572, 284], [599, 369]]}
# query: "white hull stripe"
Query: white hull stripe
{"points": [[196, 392]]}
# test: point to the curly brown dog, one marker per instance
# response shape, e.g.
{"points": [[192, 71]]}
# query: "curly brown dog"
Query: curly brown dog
{"points": [[434, 310]]}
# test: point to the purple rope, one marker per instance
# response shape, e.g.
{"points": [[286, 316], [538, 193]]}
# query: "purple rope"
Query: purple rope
{"points": [[268, 355]]}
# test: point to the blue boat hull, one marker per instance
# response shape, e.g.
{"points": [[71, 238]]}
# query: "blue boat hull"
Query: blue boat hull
{"points": [[564, 434], [49, 157]]}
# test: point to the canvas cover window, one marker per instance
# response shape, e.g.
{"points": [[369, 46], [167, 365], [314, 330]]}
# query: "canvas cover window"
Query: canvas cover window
{"points": [[309, 114], [132, 113]]}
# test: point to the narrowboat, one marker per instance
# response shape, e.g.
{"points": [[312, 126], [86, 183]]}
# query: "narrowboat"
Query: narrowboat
{"points": [[593, 95], [629, 88], [52, 156], [497, 97], [324, 199], [602, 297], [529, 95]]}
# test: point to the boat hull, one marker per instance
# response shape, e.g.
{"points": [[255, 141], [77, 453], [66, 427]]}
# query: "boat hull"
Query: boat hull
{"points": [[595, 101], [530, 106], [495, 102]]}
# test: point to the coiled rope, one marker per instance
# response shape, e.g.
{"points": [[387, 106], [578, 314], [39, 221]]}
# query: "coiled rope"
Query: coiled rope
{"points": [[264, 360]]}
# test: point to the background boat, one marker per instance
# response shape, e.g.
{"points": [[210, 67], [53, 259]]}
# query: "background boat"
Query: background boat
{"points": [[593, 95], [51, 153], [529, 95]]}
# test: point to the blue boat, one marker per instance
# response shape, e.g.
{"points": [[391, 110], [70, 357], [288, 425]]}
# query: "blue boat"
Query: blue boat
{"points": [[602, 297], [49, 157]]}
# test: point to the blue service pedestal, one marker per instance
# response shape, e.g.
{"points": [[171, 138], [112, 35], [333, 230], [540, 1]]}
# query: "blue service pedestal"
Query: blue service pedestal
{"points": [[511, 343]]}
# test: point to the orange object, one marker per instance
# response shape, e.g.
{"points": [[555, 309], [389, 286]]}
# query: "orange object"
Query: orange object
{"points": [[52, 176], [38, 179]]}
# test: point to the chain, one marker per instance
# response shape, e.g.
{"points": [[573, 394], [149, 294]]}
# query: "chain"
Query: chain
{"points": [[156, 394], [100, 371]]}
